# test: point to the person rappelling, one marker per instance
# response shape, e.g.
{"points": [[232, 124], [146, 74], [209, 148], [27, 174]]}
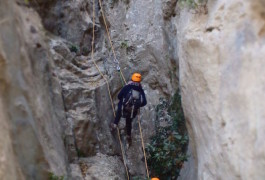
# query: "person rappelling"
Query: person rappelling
{"points": [[131, 98]]}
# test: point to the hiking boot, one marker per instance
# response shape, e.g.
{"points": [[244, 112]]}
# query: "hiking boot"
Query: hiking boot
{"points": [[113, 126], [129, 140]]}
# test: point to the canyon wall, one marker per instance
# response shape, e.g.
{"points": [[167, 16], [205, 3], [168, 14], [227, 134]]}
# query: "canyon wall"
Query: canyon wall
{"points": [[31, 106], [53, 97], [221, 53], [55, 107]]}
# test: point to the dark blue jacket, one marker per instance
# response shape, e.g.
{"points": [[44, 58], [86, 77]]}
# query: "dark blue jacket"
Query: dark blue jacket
{"points": [[127, 88]]}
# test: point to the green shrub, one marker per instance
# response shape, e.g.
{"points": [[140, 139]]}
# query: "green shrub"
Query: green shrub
{"points": [[124, 45], [54, 177], [192, 3], [73, 48], [166, 152]]}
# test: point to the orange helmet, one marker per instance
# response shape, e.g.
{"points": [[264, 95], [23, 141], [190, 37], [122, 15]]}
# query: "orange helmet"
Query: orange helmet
{"points": [[136, 77], [155, 178]]}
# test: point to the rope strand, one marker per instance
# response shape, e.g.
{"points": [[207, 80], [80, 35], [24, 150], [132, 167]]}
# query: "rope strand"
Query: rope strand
{"points": [[147, 172], [112, 48], [123, 78], [106, 80]]}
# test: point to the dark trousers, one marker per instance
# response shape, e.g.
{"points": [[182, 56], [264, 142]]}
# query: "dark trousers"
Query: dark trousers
{"points": [[127, 116]]}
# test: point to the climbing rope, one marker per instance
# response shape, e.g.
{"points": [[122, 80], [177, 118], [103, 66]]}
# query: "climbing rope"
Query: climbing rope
{"points": [[147, 172], [92, 57], [123, 81], [112, 48], [107, 82]]}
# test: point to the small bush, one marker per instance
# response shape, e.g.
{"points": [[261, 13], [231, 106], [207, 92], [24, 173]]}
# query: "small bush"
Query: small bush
{"points": [[167, 149], [193, 3], [124, 45], [73, 48], [54, 177]]}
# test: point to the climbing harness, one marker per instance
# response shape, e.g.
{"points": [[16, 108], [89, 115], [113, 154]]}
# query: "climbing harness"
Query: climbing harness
{"points": [[122, 80]]}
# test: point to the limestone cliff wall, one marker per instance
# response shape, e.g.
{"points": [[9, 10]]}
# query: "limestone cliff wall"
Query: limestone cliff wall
{"points": [[55, 105], [31, 107], [221, 54]]}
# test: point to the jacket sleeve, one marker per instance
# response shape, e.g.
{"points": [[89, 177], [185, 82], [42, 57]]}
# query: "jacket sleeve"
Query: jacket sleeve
{"points": [[144, 99], [122, 92]]}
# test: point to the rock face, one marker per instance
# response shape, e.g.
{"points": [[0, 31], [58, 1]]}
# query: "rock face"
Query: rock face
{"points": [[141, 44], [32, 113], [103, 167], [221, 57], [55, 107]]}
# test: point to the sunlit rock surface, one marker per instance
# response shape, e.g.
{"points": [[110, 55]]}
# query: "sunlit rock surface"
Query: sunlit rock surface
{"points": [[31, 106], [221, 56]]}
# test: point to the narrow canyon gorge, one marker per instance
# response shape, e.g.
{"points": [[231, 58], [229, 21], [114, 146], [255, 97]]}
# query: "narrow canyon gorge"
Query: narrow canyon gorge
{"points": [[201, 66]]}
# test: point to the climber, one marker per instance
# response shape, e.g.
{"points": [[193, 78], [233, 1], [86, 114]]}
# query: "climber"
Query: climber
{"points": [[131, 97]]}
